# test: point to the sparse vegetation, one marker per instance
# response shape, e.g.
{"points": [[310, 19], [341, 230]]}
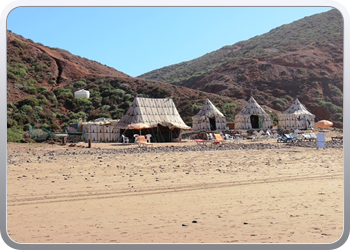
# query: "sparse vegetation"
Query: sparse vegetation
{"points": [[268, 66]]}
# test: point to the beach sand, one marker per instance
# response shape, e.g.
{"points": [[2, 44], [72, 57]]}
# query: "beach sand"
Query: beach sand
{"points": [[62, 194]]}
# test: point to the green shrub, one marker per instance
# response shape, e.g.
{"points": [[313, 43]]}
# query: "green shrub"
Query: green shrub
{"points": [[287, 98], [26, 108], [38, 109], [79, 84], [26, 127], [31, 82], [330, 107], [18, 44], [31, 90], [45, 125], [16, 72], [11, 105], [125, 105], [264, 67], [53, 127], [117, 114], [28, 101], [14, 135], [120, 92], [336, 91], [42, 100], [11, 76], [29, 59], [63, 93], [228, 108], [45, 57], [11, 123], [105, 107], [41, 89], [196, 107], [279, 103], [127, 97], [302, 71], [81, 102], [283, 73], [80, 114]]}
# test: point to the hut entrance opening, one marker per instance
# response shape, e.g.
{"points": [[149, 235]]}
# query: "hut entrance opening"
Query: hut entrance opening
{"points": [[212, 124], [254, 120], [159, 133], [165, 134]]}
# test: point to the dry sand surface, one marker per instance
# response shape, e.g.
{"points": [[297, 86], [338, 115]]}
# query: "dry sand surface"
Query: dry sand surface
{"points": [[105, 194]]}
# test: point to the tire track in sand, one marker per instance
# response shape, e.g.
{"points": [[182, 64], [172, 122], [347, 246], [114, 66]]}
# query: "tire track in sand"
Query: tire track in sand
{"points": [[161, 190]]}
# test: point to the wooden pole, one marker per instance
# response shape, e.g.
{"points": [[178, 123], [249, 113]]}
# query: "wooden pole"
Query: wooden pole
{"points": [[89, 143], [158, 133]]}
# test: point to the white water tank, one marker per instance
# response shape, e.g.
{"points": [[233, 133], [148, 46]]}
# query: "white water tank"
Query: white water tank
{"points": [[82, 93]]}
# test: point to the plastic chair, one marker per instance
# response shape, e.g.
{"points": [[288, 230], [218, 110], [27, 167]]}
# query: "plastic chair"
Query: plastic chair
{"points": [[148, 138], [210, 137], [238, 139], [306, 137], [228, 137], [313, 137], [142, 141], [125, 139], [136, 136], [289, 137]]}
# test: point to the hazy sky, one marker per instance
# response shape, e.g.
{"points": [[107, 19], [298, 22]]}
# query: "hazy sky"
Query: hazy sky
{"points": [[136, 40]]}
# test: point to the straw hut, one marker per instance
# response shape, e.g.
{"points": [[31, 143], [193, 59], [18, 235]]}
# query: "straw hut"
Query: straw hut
{"points": [[209, 118], [296, 116], [100, 130], [158, 117], [252, 116]]}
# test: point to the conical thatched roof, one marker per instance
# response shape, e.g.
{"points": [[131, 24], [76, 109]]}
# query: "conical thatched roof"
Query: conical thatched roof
{"points": [[252, 108], [208, 110], [297, 108]]}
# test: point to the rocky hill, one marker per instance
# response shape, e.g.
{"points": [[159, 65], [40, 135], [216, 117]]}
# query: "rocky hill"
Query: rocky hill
{"points": [[41, 82], [302, 60]]}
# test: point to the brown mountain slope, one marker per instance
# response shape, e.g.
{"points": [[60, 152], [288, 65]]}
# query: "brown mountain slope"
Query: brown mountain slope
{"points": [[41, 82], [302, 60], [50, 67]]}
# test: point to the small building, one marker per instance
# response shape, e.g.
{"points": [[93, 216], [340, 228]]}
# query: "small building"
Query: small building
{"points": [[155, 116], [209, 118], [82, 93], [252, 116], [296, 116], [99, 130]]}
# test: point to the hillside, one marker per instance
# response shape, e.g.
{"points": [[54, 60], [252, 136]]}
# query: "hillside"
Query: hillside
{"points": [[41, 82], [302, 60]]}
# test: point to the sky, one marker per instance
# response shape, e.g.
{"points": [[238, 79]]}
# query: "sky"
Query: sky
{"points": [[136, 40]]}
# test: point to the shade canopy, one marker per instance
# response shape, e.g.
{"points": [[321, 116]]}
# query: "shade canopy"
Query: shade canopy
{"points": [[139, 126], [323, 123]]}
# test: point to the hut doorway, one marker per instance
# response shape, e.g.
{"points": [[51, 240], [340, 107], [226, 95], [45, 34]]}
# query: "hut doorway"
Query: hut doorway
{"points": [[254, 120], [212, 124]]}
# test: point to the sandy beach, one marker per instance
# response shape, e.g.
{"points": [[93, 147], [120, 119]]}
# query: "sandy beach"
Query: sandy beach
{"points": [[254, 192]]}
